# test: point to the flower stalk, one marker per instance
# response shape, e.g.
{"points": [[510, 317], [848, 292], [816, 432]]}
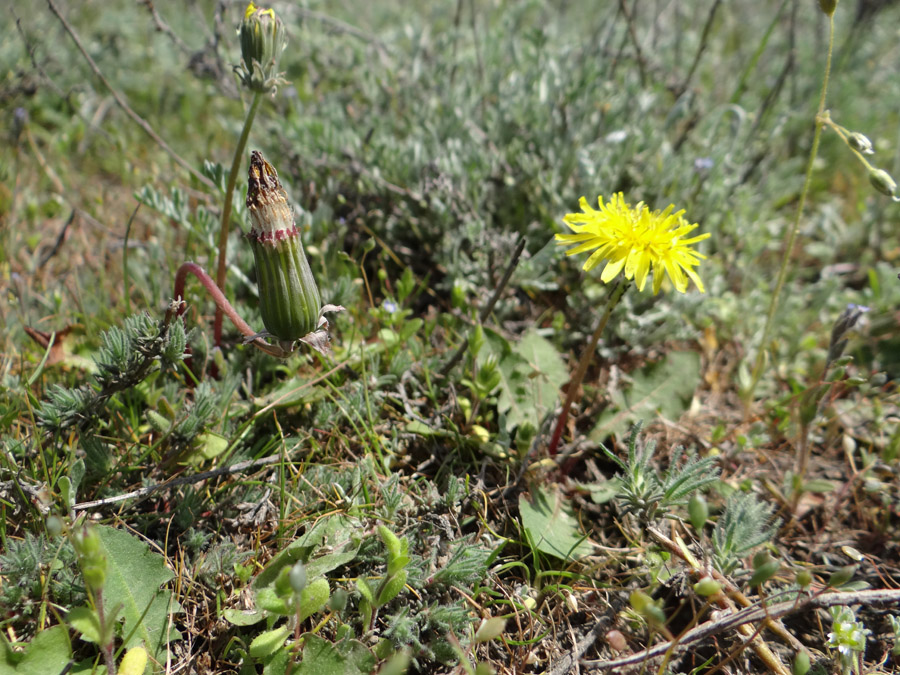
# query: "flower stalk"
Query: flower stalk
{"points": [[583, 363], [222, 266], [263, 39], [633, 241], [791, 237]]}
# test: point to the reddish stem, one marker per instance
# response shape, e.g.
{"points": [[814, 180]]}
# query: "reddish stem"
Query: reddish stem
{"points": [[222, 303], [580, 371]]}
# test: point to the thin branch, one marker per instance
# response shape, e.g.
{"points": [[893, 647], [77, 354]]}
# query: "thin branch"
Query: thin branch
{"points": [[489, 307], [180, 480], [636, 43], [700, 49], [123, 104], [752, 615]]}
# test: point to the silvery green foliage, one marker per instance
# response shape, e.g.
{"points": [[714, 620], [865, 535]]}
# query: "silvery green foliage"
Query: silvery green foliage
{"points": [[125, 358], [651, 494], [744, 524]]}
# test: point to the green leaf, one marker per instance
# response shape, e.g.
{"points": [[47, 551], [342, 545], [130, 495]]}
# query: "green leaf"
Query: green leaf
{"points": [[267, 643], [392, 588], [818, 485], [133, 579], [420, 428], [49, 652], [318, 567], [86, 622], [391, 541], [336, 532], [277, 664], [365, 589], [550, 526], [604, 491], [663, 388], [238, 617], [269, 600], [313, 598], [321, 657], [532, 374], [207, 445]]}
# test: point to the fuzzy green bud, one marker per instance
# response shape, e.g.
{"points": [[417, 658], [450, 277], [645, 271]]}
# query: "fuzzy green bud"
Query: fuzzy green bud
{"points": [[54, 525], [283, 587], [801, 664], [134, 662], [262, 42], [828, 6], [804, 578], [338, 600], [764, 568], [297, 577], [644, 605], [698, 510], [707, 586], [841, 576], [881, 180], [288, 296], [91, 558]]}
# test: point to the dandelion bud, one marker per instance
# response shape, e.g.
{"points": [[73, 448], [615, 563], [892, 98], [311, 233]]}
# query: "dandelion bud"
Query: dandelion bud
{"points": [[288, 296], [861, 143], [881, 180], [828, 6], [262, 42]]}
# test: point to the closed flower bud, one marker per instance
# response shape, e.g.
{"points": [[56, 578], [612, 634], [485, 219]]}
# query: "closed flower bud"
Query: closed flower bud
{"points": [[828, 6], [262, 42], [861, 143], [841, 576], [698, 510], [707, 586], [881, 180], [801, 664], [297, 577], [764, 568], [288, 296]]}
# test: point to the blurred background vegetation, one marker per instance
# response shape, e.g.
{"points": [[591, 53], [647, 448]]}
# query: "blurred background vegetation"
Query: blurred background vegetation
{"points": [[420, 141]]}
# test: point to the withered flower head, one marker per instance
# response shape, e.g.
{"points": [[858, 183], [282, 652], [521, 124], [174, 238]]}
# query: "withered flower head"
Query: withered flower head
{"points": [[288, 296]]}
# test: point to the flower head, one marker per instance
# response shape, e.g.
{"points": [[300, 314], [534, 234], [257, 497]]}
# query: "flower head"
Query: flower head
{"points": [[263, 40], [636, 240]]}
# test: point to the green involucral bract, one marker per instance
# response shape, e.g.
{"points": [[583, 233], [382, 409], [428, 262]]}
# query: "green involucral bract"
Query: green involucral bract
{"points": [[288, 296], [263, 40]]}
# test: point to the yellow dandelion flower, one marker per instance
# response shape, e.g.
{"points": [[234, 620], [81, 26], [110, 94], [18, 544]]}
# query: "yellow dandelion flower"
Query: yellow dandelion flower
{"points": [[636, 240]]}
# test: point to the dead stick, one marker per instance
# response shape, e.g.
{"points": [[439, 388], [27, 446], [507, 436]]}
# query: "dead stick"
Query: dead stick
{"points": [[752, 615], [123, 104], [488, 308], [180, 480]]}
